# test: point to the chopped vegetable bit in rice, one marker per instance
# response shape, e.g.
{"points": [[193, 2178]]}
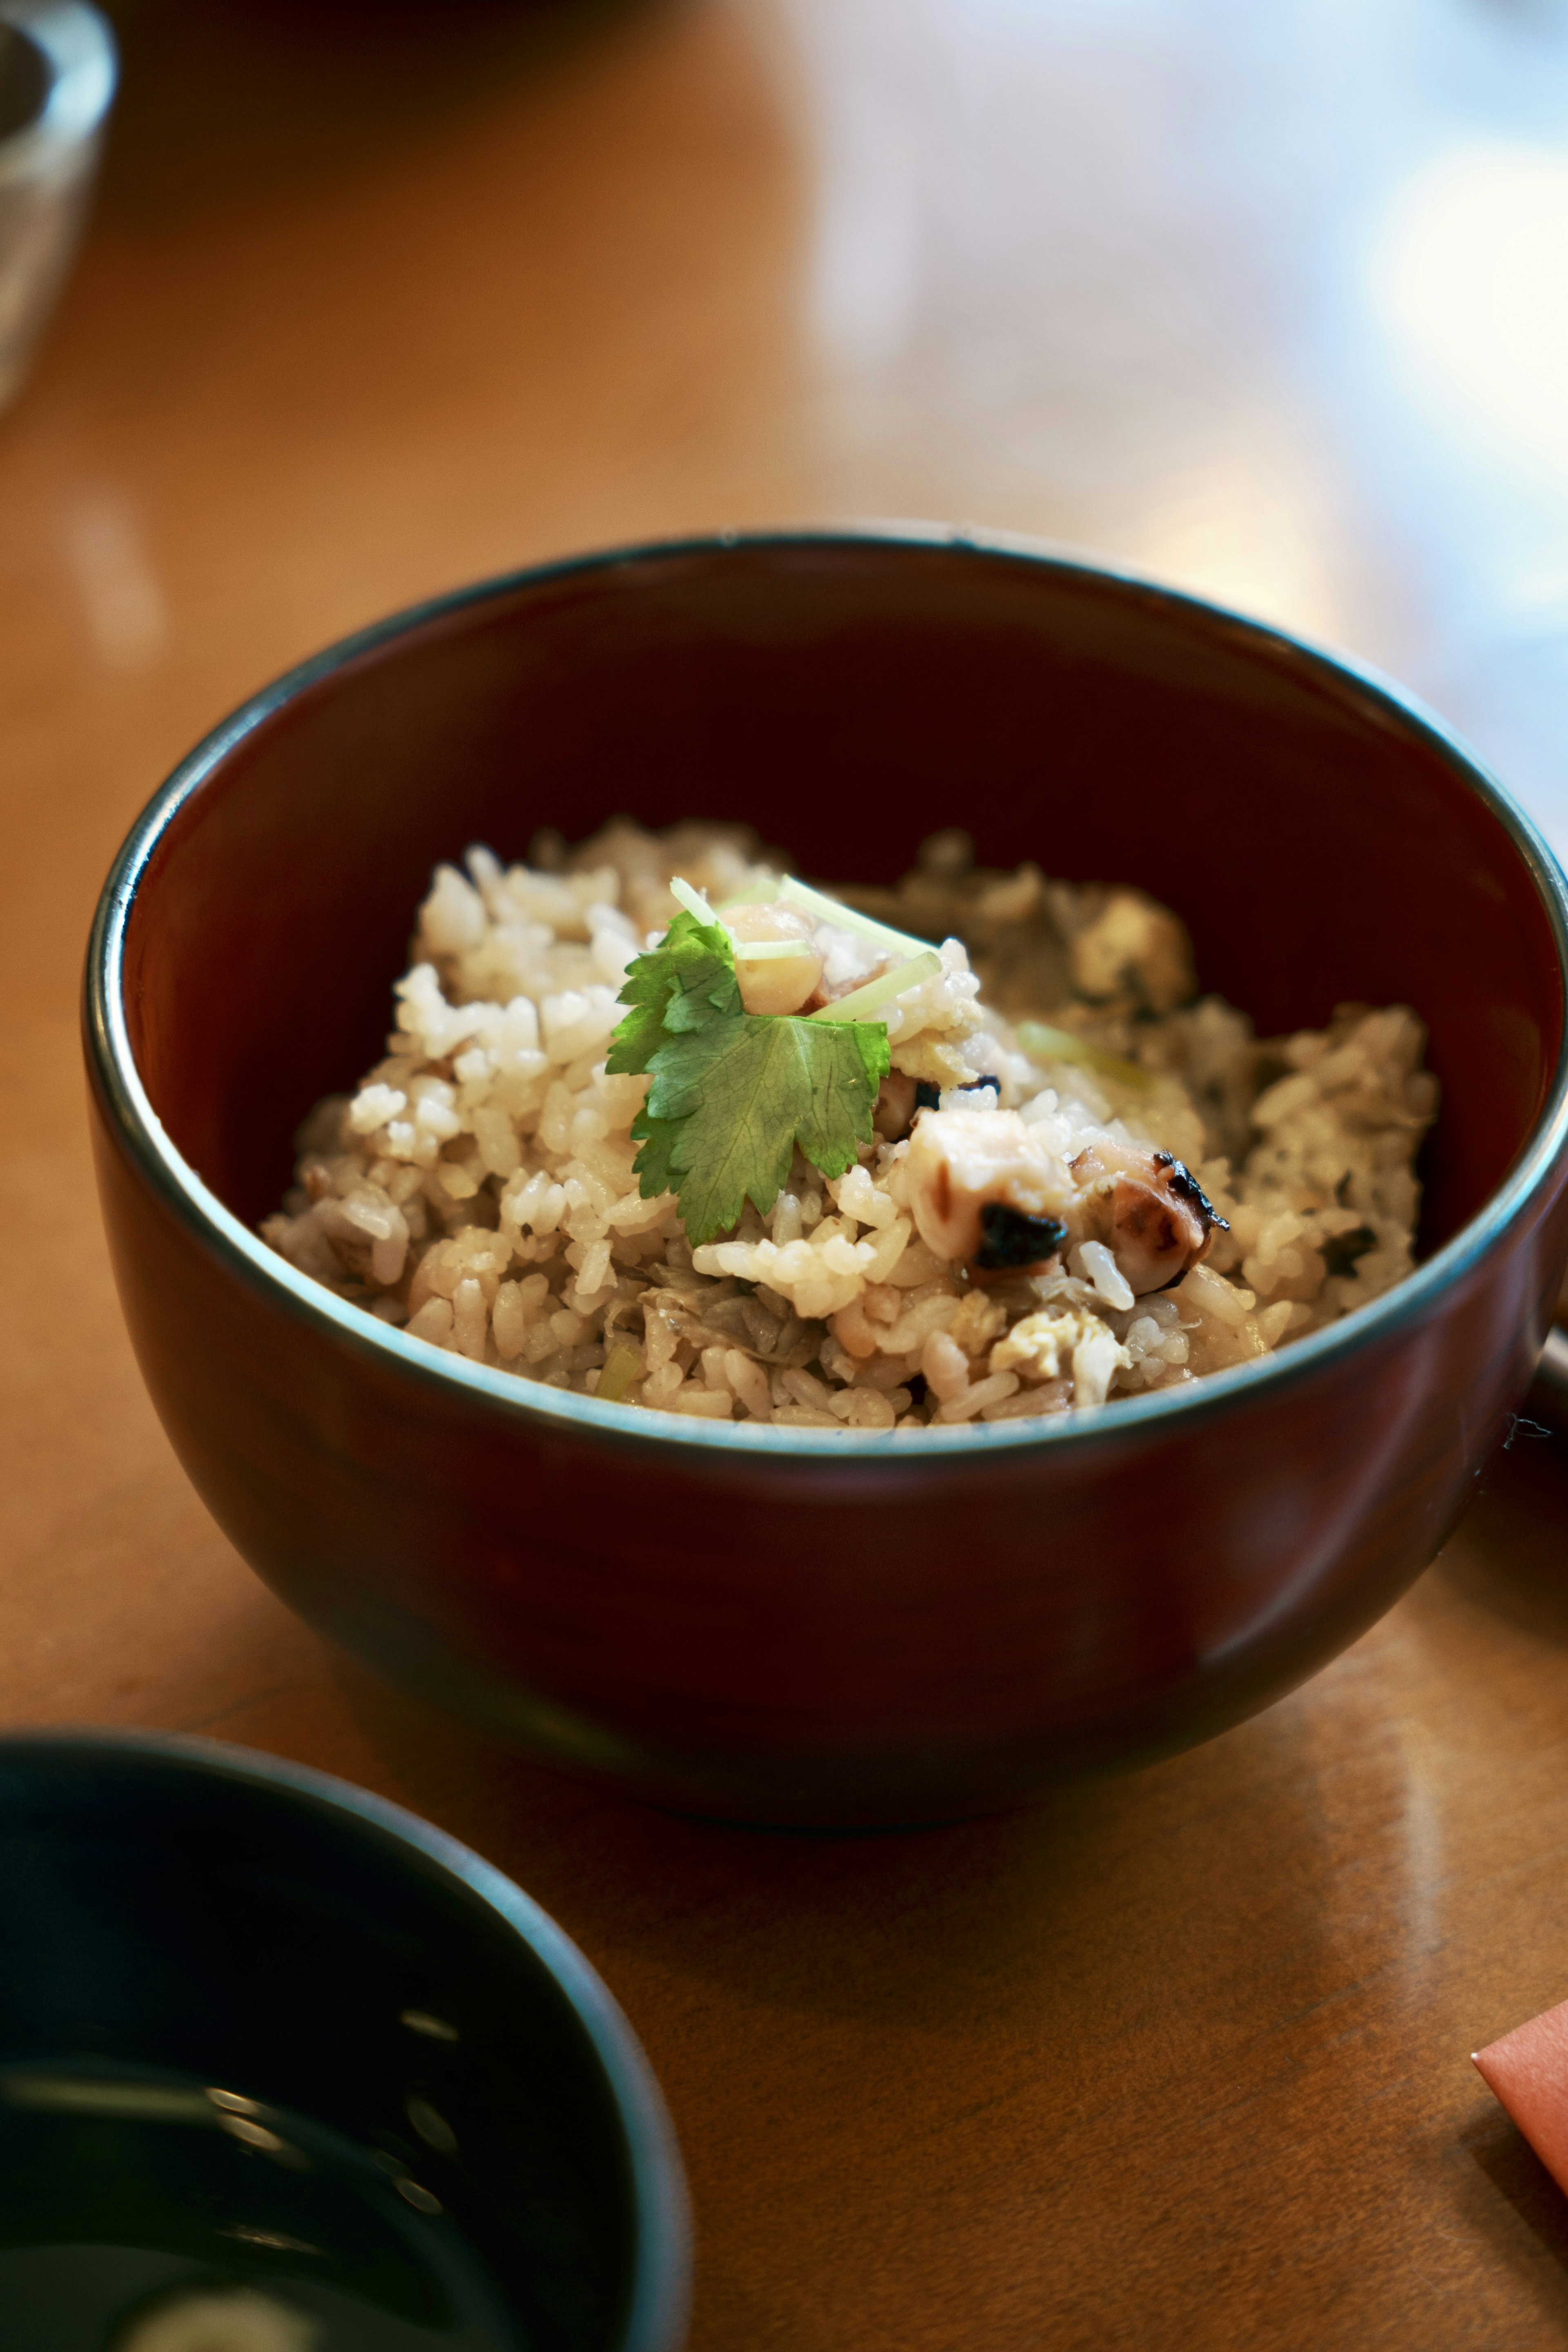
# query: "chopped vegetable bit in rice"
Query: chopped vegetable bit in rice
{"points": [[662, 1124]]}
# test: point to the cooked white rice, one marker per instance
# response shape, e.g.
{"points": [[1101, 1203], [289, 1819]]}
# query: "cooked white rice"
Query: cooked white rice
{"points": [[477, 1190]]}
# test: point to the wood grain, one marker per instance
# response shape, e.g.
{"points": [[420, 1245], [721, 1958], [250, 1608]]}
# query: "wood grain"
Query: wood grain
{"points": [[1179, 2062]]}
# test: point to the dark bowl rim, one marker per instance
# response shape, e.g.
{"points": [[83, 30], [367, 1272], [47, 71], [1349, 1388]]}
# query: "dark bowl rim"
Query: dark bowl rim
{"points": [[658, 2306], [245, 1254]]}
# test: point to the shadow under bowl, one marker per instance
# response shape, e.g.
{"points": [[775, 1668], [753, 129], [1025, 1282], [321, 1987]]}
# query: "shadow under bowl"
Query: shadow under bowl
{"points": [[264, 2032], [805, 1626]]}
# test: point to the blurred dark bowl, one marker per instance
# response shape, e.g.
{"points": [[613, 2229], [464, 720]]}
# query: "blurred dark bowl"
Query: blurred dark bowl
{"points": [[812, 1627], [176, 1907]]}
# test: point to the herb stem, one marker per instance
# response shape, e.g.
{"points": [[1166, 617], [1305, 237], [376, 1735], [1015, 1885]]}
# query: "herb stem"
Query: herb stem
{"points": [[847, 918], [865, 1003], [1042, 1043], [692, 900]]}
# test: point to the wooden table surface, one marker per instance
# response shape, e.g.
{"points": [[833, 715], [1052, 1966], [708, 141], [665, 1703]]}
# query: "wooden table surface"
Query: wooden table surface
{"points": [[379, 300]]}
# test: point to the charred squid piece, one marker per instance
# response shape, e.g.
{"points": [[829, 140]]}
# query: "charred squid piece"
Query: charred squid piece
{"points": [[1147, 1208], [1186, 1187], [963, 1162], [1014, 1240]]}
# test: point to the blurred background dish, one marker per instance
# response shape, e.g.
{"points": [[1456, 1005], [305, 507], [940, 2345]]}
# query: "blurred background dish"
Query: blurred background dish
{"points": [[776, 1625], [266, 2036], [226, 101], [56, 83]]}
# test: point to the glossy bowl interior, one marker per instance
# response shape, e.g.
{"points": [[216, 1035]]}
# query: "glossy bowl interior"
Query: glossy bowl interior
{"points": [[170, 1908], [808, 1625]]}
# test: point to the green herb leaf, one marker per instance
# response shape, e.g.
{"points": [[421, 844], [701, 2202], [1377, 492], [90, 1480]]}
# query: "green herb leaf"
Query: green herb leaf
{"points": [[728, 1106], [686, 980], [733, 1092]]}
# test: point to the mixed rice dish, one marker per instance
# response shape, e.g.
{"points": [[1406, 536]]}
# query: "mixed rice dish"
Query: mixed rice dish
{"points": [[973, 1148]]}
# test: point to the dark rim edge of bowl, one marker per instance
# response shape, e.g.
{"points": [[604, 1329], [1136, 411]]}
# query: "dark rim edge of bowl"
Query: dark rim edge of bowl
{"points": [[657, 2307], [245, 1253]]}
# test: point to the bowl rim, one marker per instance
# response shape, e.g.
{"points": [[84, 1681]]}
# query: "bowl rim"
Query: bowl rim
{"points": [[112, 1063], [657, 2306]]}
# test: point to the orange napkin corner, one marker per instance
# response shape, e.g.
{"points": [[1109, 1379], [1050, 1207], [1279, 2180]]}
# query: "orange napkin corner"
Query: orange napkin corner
{"points": [[1527, 2070]]}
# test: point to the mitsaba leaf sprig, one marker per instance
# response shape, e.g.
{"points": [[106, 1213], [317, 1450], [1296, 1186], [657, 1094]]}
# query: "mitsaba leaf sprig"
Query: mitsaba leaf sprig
{"points": [[676, 990], [731, 1092]]}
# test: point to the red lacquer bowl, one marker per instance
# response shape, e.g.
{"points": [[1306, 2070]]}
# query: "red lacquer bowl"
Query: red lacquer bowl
{"points": [[805, 1627]]}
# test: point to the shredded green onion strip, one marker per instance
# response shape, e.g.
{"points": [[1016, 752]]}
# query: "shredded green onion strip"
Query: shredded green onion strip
{"points": [[1043, 1044], [862, 1004], [865, 1003], [823, 909], [1040, 1039], [847, 918], [694, 901], [746, 950]]}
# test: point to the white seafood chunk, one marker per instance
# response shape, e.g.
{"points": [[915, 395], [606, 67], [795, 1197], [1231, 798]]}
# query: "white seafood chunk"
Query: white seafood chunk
{"points": [[960, 1161]]}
